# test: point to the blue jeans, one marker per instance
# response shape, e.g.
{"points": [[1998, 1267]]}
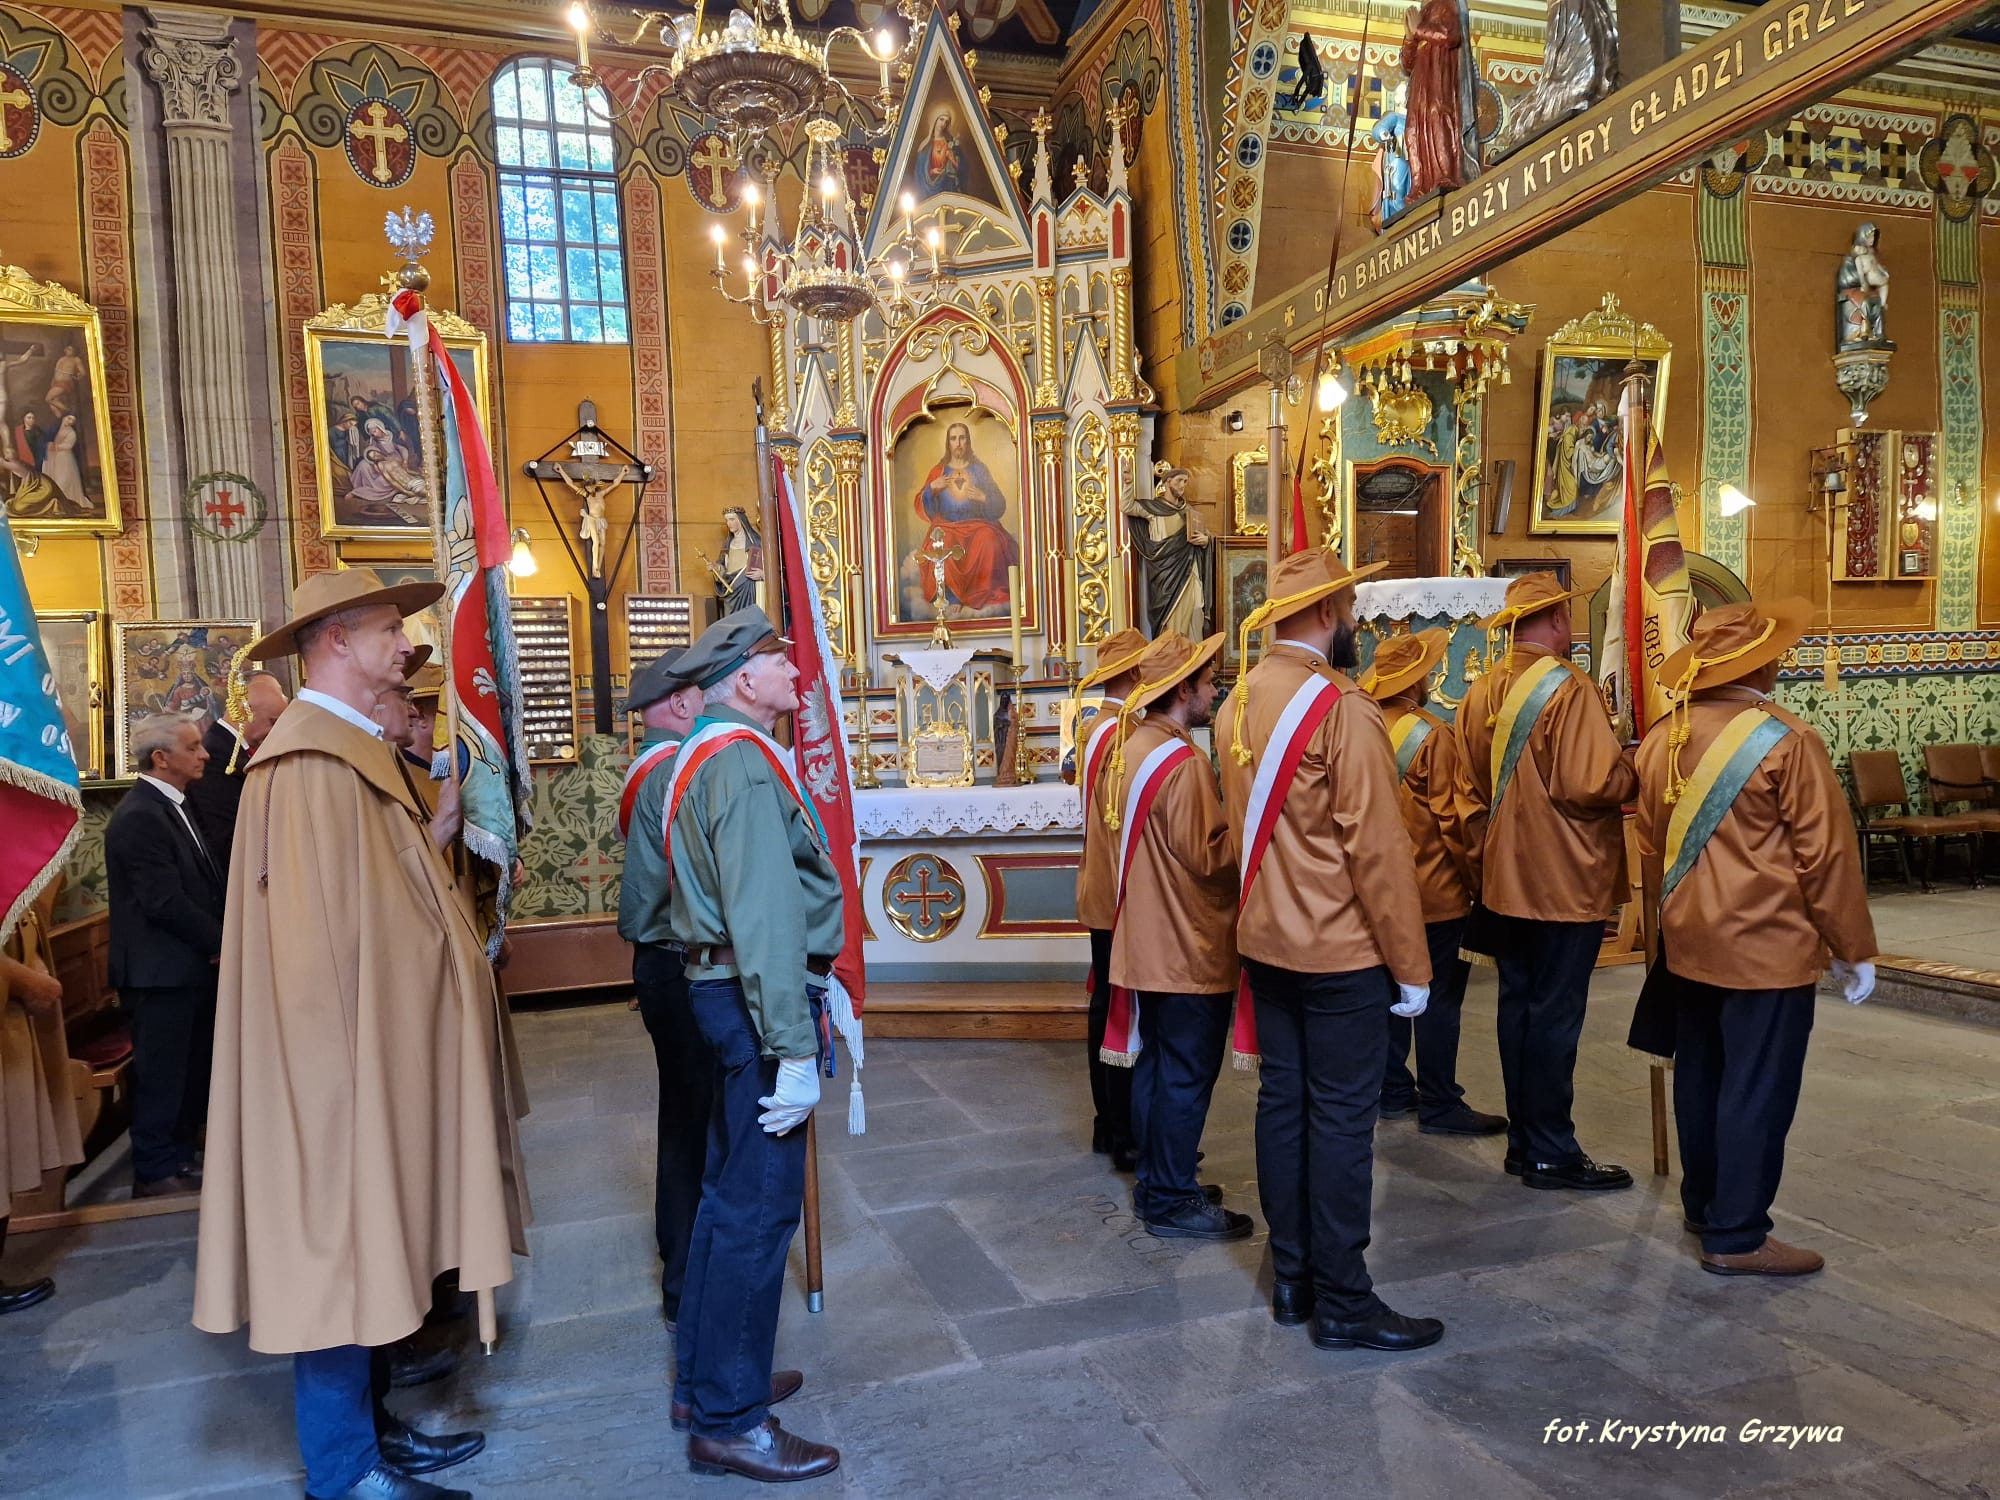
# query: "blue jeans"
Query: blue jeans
{"points": [[1181, 1042], [751, 1193], [335, 1406]]}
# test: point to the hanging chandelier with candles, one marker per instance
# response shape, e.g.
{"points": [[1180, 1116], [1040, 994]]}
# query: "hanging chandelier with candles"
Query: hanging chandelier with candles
{"points": [[752, 72]]}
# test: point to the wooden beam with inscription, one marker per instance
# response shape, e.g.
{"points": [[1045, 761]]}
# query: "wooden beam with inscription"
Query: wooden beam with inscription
{"points": [[1768, 66]]}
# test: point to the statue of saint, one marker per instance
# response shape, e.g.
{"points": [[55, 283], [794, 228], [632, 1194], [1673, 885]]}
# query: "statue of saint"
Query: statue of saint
{"points": [[1438, 137], [1392, 166], [1579, 68], [1861, 297], [1177, 556], [742, 566]]}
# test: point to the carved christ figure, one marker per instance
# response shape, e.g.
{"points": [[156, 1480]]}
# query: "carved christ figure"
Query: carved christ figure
{"points": [[1579, 68], [1437, 60]]}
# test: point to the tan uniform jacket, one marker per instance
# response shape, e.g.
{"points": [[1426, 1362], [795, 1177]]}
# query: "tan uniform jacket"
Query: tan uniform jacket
{"points": [[360, 1136], [1435, 818], [1337, 891], [1778, 883], [1097, 870], [1557, 850], [38, 1124], [1177, 932]]}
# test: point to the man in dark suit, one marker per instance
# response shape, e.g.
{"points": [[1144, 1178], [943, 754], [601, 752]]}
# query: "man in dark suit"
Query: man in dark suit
{"points": [[167, 891], [213, 796]]}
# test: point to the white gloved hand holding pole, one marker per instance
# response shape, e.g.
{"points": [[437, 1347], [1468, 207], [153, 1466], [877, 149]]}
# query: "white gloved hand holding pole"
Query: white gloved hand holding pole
{"points": [[1857, 981], [1415, 999], [796, 1094]]}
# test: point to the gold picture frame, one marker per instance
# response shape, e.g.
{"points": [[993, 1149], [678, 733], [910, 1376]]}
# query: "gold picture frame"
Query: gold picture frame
{"points": [[52, 382], [939, 755], [346, 348], [73, 641], [1249, 498], [1579, 452], [172, 666]]}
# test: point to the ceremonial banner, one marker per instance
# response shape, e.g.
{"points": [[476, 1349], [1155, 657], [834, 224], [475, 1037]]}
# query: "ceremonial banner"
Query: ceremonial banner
{"points": [[40, 808], [1652, 602], [819, 744]]}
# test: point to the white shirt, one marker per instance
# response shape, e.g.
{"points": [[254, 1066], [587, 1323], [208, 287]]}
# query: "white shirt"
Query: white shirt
{"points": [[179, 799], [340, 710]]}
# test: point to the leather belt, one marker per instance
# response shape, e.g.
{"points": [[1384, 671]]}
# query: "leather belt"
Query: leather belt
{"points": [[724, 956]]}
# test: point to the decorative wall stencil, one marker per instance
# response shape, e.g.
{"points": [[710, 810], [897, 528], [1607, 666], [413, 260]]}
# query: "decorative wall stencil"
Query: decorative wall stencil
{"points": [[1964, 433], [1958, 168], [295, 210], [652, 382], [574, 858], [1722, 232], [20, 115], [224, 507], [379, 109], [108, 246]]}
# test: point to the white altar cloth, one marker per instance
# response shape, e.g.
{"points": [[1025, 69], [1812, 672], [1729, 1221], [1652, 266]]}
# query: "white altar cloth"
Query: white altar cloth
{"points": [[910, 812], [1454, 598]]}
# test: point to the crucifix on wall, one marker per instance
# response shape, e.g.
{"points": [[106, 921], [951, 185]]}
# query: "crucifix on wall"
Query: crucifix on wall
{"points": [[595, 466]]}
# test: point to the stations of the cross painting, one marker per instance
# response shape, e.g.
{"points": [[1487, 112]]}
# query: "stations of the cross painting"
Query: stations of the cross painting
{"points": [[1768, 66]]}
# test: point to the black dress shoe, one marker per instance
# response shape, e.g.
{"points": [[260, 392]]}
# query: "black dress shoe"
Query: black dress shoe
{"points": [[414, 1452], [1212, 1191], [1125, 1158], [410, 1363], [14, 1298], [1395, 1111], [1693, 1226], [1100, 1138], [1382, 1330], [1512, 1165], [765, 1452], [1583, 1175], [1200, 1221], [1291, 1302], [385, 1482], [1464, 1121], [166, 1187], [785, 1384]]}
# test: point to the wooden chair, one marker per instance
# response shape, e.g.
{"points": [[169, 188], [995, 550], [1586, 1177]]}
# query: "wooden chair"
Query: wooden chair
{"points": [[1876, 782], [1957, 780]]}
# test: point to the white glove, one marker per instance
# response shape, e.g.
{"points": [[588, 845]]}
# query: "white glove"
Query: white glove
{"points": [[1857, 981], [1416, 998], [797, 1093]]}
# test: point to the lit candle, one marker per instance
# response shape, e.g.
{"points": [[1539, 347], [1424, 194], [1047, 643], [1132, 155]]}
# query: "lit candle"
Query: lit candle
{"points": [[885, 48], [1014, 611], [715, 233], [909, 207], [579, 17], [754, 200]]}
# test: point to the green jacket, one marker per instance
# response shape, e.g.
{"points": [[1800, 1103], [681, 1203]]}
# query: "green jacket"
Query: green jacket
{"points": [[751, 872], [642, 894]]}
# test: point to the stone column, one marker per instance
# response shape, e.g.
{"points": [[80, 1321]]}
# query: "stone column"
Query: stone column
{"points": [[194, 63]]}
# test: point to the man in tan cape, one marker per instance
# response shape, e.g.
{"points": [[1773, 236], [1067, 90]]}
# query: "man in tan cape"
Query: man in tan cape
{"points": [[38, 1124], [360, 1140]]}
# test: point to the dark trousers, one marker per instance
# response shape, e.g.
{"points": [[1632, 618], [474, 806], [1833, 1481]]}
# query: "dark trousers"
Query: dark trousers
{"points": [[687, 1096], [751, 1194], [173, 1046], [1738, 1058], [1544, 984], [334, 1401], [1323, 1039], [1434, 1091], [1110, 1085], [1181, 1042]]}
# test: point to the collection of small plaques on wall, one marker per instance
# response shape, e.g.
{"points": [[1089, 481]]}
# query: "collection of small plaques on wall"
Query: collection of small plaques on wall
{"points": [[543, 634], [1883, 488]]}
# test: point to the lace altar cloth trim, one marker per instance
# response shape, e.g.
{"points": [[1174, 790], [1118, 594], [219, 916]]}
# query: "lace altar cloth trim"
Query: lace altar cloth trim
{"points": [[1454, 598], [937, 670], [906, 812]]}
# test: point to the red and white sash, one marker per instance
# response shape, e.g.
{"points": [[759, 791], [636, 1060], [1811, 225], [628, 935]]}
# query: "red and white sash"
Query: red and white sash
{"points": [[642, 766], [1277, 768], [1121, 1027], [710, 738], [1096, 747]]}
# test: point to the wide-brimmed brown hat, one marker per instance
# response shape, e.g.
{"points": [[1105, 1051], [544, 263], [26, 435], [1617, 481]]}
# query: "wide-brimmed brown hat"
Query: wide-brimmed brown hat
{"points": [[415, 661], [427, 683], [1170, 660], [1306, 577], [1116, 655], [1403, 661], [1530, 594], [1731, 641], [326, 594]]}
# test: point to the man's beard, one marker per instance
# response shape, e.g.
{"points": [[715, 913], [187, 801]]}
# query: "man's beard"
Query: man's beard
{"points": [[1342, 652]]}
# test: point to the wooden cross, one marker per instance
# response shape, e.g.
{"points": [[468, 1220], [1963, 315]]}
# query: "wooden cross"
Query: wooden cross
{"points": [[13, 99], [380, 132]]}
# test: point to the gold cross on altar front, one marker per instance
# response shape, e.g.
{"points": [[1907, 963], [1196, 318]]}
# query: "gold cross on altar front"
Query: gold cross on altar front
{"points": [[14, 99], [380, 132]]}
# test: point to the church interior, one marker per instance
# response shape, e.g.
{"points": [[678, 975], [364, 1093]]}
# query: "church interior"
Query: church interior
{"points": [[975, 333]]}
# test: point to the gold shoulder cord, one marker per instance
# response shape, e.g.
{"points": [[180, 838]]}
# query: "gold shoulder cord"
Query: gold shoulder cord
{"points": [[1677, 720]]}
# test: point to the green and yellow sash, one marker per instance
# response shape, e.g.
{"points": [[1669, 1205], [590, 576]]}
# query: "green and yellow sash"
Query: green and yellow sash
{"points": [[1529, 695], [1408, 737], [1725, 768]]}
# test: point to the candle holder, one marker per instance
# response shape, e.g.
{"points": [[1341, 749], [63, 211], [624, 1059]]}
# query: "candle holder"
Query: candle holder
{"points": [[1024, 768], [865, 779]]}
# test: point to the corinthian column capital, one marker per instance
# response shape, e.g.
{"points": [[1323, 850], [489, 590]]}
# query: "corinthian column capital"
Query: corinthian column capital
{"points": [[193, 59]]}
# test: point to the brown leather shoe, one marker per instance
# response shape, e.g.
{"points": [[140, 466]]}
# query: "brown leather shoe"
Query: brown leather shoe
{"points": [[1772, 1258], [766, 1452], [785, 1384], [166, 1187]]}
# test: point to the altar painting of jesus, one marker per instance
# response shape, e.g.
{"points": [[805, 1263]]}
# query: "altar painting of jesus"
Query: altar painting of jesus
{"points": [[959, 488]]}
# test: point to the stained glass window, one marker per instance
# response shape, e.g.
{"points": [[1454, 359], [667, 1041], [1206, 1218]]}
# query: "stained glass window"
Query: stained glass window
{"points": [[565, 258]]}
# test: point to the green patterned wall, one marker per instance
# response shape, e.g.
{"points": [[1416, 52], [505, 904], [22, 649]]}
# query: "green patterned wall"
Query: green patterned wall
{"points": [[1903, 714], [573, 854], [1723, 234]]}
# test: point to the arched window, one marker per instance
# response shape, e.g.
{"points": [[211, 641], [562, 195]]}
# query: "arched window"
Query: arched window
{"points": [[565, 257]]}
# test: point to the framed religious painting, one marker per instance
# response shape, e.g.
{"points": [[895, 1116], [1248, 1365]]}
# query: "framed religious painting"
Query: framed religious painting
{"points": [[56, 470], [1250, 493], [953, 518], [1518, 567], [1244, 571], [368, 441], [74, 642], [1579, 436], [172, 667]]}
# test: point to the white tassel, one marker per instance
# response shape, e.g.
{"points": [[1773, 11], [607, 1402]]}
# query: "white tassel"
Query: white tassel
{"points": [[840, 1010], [857, 1112]]}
